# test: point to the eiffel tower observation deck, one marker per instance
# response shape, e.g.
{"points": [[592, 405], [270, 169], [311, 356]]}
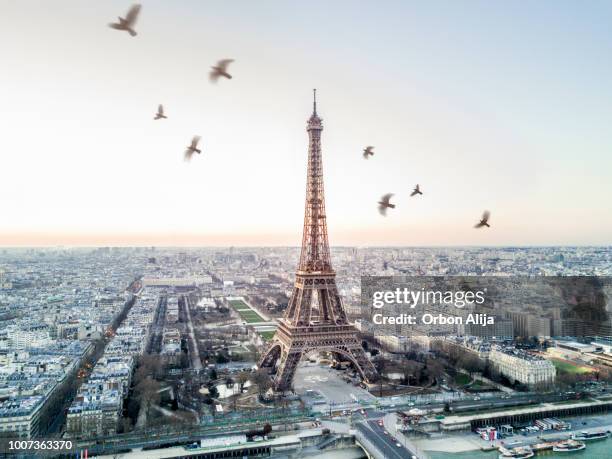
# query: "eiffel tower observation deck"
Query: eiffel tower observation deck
{"points": [[315, 320]]}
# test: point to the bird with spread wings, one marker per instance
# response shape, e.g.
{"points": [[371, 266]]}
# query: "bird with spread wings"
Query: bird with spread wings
{"points": [[484, 221], [385, 204], [220, 70], [160, 113], [128, 22], [192, 148], [367, 152]]}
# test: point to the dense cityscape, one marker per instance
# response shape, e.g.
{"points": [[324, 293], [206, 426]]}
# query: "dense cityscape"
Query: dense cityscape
{"points": [[112, 344]]}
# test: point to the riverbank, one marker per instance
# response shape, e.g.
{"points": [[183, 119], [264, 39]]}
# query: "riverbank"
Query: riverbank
{"points": [[594, 450], [469, 442]]}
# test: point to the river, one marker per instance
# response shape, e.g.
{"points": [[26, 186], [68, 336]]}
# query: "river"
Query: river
{"points": [[601, 449]]}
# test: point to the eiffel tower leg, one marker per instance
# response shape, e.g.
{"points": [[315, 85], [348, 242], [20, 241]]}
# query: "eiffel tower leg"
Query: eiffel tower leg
{"points": [[363, 364], [290, 359], [271, 355]]}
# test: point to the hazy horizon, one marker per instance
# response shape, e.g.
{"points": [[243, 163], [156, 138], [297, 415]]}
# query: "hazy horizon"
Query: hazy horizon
{"points": [[298, 246], [499, 106]]}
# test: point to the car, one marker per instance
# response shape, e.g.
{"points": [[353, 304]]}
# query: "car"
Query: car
{"points": [[399, 445], [380, 422], [386, 433]]}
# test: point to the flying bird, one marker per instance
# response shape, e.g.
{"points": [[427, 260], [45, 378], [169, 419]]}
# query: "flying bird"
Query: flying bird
{"points": [[128, 23], [220, 70], [484, 221], [367, 152], [160, 113], [193, 148], [417, 190], [384, 204]]}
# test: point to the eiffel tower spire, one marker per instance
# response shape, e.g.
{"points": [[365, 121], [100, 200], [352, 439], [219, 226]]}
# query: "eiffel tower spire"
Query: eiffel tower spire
{"points": [[315, 246], [315, 319]]}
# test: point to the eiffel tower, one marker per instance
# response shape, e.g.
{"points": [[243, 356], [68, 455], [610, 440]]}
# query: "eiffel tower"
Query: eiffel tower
{"points": [[315, 320]]}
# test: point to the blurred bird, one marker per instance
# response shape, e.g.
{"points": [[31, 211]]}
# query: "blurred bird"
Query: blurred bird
{"points": [[160, 113], [484, 221], [193, 148], [384, 204], [220, 70], [128, 23], [416, 191], [367, 152]]}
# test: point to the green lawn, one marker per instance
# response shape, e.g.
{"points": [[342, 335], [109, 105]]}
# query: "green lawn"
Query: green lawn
{"points": [[267, 335], [250, 316], [245, 312], [462, 379], [566, 367], [239, 305]]}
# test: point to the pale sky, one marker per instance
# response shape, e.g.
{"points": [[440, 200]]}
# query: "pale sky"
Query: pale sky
{"points": [[505, 106]]}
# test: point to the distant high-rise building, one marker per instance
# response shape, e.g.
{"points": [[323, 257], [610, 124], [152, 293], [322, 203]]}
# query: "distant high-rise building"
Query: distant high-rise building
{"points": [[528, 324], [502, 328]]}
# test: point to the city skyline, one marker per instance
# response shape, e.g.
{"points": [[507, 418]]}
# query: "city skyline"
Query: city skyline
{"points": [[482, 115]]}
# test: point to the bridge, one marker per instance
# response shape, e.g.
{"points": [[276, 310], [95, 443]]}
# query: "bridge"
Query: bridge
{"points": [[380, 443]]}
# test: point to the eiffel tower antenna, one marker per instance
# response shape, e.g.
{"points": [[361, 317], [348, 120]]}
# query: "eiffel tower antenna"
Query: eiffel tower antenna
{"points": [[314, 101], [315, 320]]}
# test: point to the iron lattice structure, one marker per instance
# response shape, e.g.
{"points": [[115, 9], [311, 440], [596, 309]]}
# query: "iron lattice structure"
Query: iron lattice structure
{"points": [[315, 319]]}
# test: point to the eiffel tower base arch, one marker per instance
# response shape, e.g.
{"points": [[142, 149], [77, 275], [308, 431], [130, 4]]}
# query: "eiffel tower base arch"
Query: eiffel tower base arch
{"points": [[284, 354]]}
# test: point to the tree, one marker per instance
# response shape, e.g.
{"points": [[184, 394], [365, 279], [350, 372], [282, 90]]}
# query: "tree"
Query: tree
{"points": [[410, 371], [381, 365], [147, 392], [242, 378], [126, 425], [213, 391], [471, 363], [424, 375], [566, 379], [435, 369], [148, 365], [261, 379]]}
